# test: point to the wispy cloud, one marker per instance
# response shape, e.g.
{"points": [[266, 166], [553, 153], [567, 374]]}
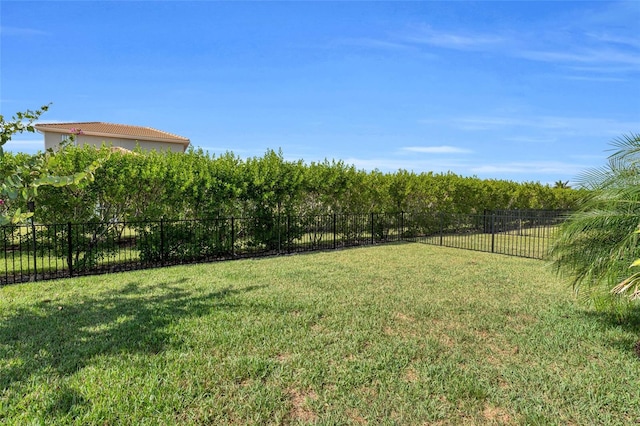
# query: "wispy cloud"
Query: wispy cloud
{"points": [[372, 43], [578, 39], [594, 78], [616, 39], [553, 169], [600, 54], [488, 122], [393, 164], [436, 149], [596, 55], [590, 157], [531, 139], [552, 126], [454, 39], [533, 167], [16, 31]]}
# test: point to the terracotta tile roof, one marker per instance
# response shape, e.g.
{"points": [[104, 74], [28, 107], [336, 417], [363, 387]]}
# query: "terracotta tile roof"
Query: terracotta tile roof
{"points": [[121, 131]]}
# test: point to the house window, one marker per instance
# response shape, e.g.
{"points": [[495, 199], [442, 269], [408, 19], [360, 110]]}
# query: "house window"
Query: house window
{"points": [[64, 138]]}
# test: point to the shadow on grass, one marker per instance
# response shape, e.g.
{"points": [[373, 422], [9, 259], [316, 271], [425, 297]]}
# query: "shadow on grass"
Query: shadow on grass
{"points": [[50, 338], [629, 324]]}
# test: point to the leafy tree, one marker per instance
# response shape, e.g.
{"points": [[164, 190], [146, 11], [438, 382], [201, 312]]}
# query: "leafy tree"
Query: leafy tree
{"points": [[20, 182], [19, 123], [14, 174], [599, 242]]}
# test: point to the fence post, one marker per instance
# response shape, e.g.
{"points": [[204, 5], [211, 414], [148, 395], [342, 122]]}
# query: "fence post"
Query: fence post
{"points": [[35, 247], [4, 239], [441, 228], [484, 221], [233, 237], [162, 256], [69, 248], [520, 233], [493, 234], [334, 231], [289, 239], [279, 234], [373, 229], [287, 234], [401, 235]]}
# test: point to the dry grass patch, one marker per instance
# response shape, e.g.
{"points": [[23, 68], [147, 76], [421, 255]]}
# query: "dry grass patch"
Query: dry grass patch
{"points": [[411, 375], [284, 357], [404, 317], [354, 415], [300, 409], [496, 415]]}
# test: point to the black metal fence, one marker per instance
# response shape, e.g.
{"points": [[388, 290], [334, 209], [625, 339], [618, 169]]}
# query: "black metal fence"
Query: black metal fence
{"points": [[46, 251], [525, 233]]}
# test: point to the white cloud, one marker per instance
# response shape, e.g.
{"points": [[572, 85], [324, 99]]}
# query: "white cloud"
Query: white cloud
{"points": [[570, 40], [418, 166], [550, 126], [590, 157], [537, 167], [602, 56], [575, 41], [455, 40], [616, 39], [488, 122], [595, 78], [531, 139], [507, 170], [375, 44], [436, 149], [15, 31]]}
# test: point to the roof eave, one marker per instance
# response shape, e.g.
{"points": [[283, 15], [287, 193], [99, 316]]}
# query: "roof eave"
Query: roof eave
{"points": [[180, 141]]}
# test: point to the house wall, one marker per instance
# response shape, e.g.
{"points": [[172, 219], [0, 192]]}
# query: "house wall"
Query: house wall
{"points": [[52, 140]]}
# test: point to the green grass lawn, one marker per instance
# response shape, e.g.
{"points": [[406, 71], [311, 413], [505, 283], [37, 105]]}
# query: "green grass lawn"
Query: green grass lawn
{"points": [[406, 334]]}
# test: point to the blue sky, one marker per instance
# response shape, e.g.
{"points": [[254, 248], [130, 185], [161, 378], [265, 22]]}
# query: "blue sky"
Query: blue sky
{"points": [[525, 91]]}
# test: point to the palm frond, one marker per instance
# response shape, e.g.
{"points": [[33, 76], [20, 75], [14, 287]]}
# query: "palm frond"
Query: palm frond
{"points": [[597, 243], [626, 146], [625, 287]]}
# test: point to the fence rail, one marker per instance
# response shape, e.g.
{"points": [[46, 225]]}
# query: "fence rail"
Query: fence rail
{"points": [[47, 251]]}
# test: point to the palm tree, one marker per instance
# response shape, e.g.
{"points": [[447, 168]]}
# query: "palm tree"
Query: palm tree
{"points": [[561, 185], [599, 242]]}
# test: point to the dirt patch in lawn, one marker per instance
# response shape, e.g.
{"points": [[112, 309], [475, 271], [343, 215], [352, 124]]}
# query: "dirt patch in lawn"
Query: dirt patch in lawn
{"points": [[300, 409], [496, 415]]}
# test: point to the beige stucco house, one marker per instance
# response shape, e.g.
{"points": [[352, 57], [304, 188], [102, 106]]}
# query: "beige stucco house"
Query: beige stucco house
{"points": [[117, 135]]}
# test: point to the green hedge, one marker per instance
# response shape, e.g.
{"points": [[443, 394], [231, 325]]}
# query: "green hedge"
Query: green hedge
{"points": [[154, 185]]}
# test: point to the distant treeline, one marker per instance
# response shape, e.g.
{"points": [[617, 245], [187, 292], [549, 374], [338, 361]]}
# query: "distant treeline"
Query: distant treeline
{"points": [[195, 184]]}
